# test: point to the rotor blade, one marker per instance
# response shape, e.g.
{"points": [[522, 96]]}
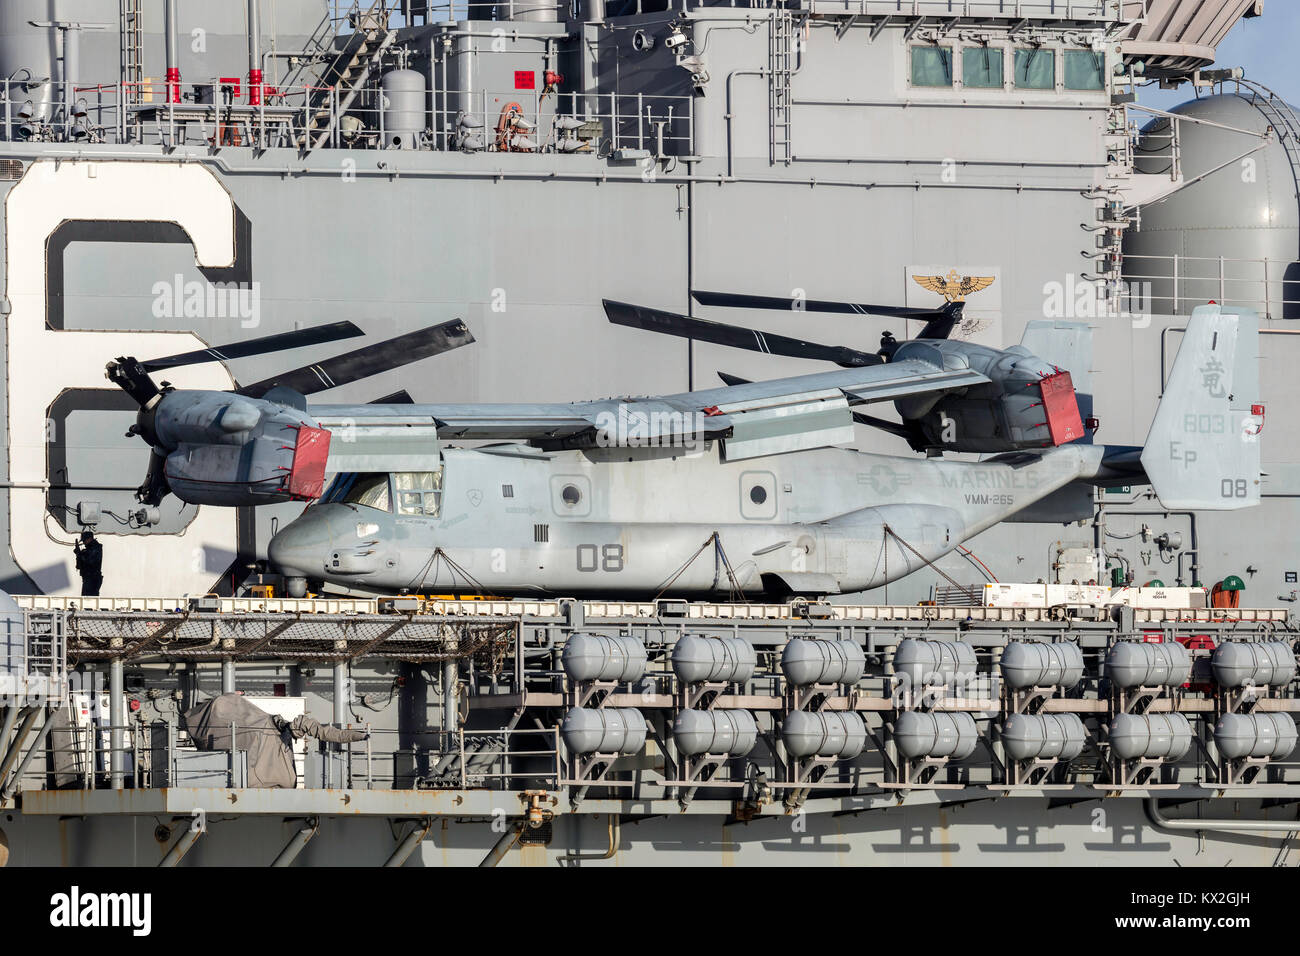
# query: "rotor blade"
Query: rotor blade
{"points": [[941, 326], [894, 428], [400, 397], [300, 338], [371, 360], [736, 300], [703, 330]]}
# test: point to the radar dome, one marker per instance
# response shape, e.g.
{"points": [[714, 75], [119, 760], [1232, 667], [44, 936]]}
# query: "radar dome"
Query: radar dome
{"points": [[1246, 211]]}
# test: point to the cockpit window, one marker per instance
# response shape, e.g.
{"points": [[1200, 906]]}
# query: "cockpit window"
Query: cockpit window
{"points": [[418, 492], [370, 490]]}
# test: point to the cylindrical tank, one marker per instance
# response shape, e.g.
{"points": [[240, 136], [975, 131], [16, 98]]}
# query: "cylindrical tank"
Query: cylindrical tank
{"points": [[13, 641], [811, 660], [403, 94], [830, 733], [1152, 736], [611, 730], [920, 734], [924, 663], [529, 11], [699, 658], [1235, 232], [1137, 664], [1038, 664], [1253, 664], [1043, 736], [1255, 735], [604, 657], [733, 732]]}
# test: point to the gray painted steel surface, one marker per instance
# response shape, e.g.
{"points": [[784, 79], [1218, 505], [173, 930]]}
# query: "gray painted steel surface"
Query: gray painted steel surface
{"points": [[1043, 736], [1035, 664], [824, 734], [1253, 663], [1150, 736], [924, 662], [807, 662], [1271, 736], [618, 730], [730, 731], [920, 734], [908, 180], [703, 658], [604, 657], [1139, 664]]}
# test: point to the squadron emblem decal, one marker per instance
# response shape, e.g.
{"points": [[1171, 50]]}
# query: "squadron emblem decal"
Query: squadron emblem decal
{"points": [[954, 288]]}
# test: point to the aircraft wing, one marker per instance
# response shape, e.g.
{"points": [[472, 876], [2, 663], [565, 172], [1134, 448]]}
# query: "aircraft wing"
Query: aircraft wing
{"points": [[754, 419]]}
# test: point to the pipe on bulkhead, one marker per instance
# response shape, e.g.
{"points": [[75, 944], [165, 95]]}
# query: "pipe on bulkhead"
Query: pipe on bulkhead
{"points": [[254, 54], [340, 693], [173, 68], [116, 723]]}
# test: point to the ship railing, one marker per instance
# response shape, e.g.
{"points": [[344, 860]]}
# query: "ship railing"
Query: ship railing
{"points": [[570, 122], [1055, 11], [501, 758], [343, 13], [33, 659], [1175, 284], [157, 754], [544, 120]]}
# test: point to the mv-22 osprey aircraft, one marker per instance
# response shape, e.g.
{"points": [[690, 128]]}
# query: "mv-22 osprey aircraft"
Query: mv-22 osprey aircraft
{"points": [[738, 490]]}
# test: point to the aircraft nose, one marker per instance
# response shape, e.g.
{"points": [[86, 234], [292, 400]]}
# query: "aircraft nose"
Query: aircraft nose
{"points": [[301, 547]]}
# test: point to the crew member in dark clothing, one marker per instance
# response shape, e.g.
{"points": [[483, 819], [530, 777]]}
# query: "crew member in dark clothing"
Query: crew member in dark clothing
{"points": [[90, 564]]}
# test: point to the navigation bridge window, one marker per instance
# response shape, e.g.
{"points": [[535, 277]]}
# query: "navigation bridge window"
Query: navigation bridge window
{"points": [[981, 68], [932, 66], [1085, 70], [1035, 69]]}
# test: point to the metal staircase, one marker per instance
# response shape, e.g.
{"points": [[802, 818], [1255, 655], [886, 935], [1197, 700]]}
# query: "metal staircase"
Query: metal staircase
{"points": [[781, 53], [351, 71], [131, 49]]}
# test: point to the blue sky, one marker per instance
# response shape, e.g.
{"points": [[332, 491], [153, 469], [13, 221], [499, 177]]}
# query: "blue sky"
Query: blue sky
{"points": [[1266, 46]]}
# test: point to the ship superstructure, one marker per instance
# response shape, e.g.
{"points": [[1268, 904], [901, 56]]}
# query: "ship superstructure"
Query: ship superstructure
{"points": [[179, 174]]}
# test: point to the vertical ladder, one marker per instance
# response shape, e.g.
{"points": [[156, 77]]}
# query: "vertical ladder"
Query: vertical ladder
{"points": [[1284, 121], [131, 40], [780, 68]]}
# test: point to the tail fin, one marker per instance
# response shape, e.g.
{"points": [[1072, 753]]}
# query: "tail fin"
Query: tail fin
{"points": [[1203, 448]]}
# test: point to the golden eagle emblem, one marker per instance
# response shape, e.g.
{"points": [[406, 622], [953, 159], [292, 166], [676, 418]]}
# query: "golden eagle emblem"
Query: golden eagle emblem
{"points": [[954, 288]]}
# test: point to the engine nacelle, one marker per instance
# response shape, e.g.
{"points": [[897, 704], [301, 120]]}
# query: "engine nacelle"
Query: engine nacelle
{"points": [[1026, 404], [223, 449]]}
